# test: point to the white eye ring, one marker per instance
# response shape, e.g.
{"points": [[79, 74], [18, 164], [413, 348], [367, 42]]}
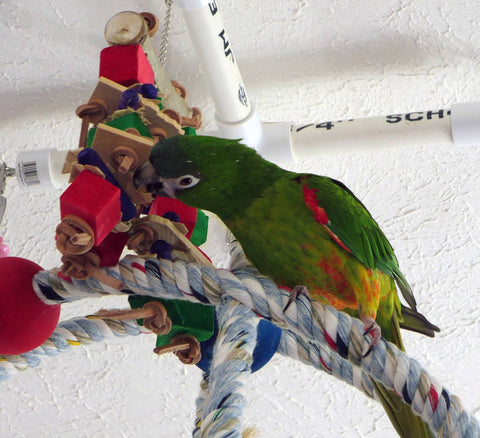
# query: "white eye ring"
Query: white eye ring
{"points": [[185, 181]]}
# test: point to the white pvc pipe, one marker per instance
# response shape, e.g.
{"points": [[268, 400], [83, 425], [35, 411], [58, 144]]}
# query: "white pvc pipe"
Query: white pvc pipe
{"points": [[41, 169], [459, 126], [353, 135], [208, 35], [234, 113], [466, 123]]}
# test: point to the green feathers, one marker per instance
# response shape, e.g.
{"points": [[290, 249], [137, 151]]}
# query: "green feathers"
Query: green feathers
{"points": [[170, 160], [231, 175]]}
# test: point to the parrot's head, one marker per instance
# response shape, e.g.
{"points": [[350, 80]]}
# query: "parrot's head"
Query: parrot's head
{"points": [[210, 173]]}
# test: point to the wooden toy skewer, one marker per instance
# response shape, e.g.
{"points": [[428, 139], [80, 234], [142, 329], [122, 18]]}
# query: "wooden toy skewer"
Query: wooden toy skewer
{"points": [[153, 313]]}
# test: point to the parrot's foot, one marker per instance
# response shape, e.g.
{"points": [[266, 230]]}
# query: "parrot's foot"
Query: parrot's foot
{"points": [[294, 294], [372, 329]]}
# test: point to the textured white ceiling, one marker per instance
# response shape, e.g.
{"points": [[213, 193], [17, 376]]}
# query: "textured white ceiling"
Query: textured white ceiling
{"points": [[302, 61]]}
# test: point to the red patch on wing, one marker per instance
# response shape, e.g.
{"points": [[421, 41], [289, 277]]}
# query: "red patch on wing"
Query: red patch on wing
{"points": [[338, 292], [320, 215], [311, 201], [333, 268]]}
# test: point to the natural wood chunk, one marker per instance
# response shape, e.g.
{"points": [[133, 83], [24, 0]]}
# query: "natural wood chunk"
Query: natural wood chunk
{"points": [[126, 28]]}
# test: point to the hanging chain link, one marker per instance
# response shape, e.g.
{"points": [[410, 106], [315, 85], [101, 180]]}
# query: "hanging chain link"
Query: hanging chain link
{"points": [[162, 54]]}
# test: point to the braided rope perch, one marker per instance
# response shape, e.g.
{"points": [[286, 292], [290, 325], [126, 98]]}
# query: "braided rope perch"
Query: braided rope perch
{"points": [[321, 327], [78, 331], [88, 330], [221, 399]]}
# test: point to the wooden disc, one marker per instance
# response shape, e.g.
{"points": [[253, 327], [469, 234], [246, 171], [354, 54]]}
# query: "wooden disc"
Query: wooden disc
{"points": [[126, 28], [158, 133], [126, 158], [152, 22], [74, 236]]}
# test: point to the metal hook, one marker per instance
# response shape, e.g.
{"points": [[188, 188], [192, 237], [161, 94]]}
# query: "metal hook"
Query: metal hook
{"points": [[5, 172]]}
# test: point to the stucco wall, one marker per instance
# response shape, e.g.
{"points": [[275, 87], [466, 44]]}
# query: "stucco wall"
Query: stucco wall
{"points": [[302, 61]]}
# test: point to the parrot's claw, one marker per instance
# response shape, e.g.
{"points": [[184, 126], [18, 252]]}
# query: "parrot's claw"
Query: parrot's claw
{"points": [[372, 329], [294, 294]]}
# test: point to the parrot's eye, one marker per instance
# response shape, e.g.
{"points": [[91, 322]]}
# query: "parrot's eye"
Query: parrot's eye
{"points": [[186, 181]]}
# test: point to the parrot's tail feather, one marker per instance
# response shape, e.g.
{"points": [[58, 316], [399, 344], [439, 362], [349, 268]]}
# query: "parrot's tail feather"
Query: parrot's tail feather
{"points": [[405, 422], [405, 289], [416, 322]]}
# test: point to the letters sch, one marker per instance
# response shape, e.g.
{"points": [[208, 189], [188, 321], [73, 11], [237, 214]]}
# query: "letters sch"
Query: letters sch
{"points": [[417, 116]]}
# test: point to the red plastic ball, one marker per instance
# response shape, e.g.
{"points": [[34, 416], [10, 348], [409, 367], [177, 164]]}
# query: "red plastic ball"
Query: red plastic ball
{"points": [[25, 321]]}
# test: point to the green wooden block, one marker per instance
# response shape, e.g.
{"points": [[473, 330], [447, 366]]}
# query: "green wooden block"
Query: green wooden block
{"points": [[199, 233], [91, 135], [187, 318], [189, 130], [131, 120]]}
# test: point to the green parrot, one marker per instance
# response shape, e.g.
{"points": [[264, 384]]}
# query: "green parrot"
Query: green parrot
{"points": [[298, 229]]}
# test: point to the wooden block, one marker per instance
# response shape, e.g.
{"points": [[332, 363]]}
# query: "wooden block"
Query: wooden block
{"points": [[186, 214], [156, 118], [111, 248], [163, 229], [105, 143], [70, 159], [94, 200], [126, 65], [90, 157], [107, 139], [108, 91], [130, 121]]}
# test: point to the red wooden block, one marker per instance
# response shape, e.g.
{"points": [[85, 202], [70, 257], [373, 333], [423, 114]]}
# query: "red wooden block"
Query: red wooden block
{"points": [[110, 250], [186, 214], [126, 65], [94, 200]]}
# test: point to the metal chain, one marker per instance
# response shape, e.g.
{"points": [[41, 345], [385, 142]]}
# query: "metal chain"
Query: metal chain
{"points": [[162, 54]]}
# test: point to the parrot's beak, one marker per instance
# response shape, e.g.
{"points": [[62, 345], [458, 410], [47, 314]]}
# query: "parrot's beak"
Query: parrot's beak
{"points": [[146, 176], [167, 187]]}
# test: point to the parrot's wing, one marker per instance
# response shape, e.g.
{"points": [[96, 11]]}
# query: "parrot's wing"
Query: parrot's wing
{"points": [[353, 227]]}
